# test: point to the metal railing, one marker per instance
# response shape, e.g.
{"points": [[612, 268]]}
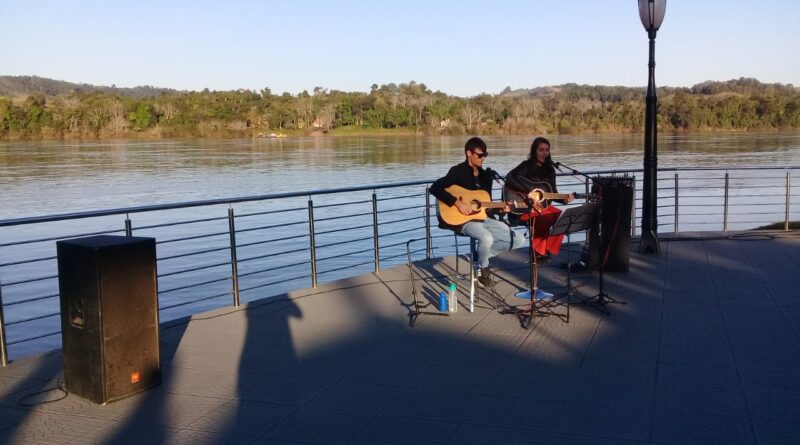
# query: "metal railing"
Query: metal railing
{"points": [[259, 246]]}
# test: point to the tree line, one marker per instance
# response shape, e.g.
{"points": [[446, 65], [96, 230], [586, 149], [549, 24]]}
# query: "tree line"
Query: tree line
{"points": [[743, 104]]}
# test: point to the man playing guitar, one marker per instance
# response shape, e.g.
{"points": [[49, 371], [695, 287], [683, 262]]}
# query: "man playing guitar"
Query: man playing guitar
{"points": [[493, 236]]}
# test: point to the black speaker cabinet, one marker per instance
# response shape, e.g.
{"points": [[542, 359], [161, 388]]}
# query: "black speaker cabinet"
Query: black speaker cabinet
{"points": [[109, 316], [610, 236]]}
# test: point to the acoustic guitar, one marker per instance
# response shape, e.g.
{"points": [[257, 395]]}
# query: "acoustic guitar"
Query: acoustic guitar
{"points": [[479, 200], [541, 194]]}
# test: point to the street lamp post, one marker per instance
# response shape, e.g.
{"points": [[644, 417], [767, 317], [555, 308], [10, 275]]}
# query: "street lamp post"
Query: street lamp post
{"points": [[652, 14]]}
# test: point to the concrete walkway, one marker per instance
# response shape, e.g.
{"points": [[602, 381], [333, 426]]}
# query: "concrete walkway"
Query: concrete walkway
{"points": [[706, 350]]}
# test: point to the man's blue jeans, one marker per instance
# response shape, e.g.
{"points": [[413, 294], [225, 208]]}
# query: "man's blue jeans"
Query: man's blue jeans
{"points": [[493, 237]]}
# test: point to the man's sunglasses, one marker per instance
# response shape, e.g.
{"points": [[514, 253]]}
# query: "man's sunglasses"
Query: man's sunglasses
{"points": [[480, 155]]}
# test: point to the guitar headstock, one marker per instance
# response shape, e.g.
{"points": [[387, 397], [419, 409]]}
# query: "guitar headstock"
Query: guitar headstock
{"points": [[594, 198]]}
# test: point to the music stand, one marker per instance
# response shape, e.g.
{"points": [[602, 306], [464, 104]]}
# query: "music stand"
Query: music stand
{"points": [[571, 220]]}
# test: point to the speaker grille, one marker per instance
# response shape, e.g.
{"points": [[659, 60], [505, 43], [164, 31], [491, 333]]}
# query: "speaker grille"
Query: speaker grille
{"points": [[614, 224]]}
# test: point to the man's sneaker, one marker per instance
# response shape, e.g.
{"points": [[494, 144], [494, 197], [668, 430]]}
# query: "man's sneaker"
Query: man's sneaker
{"points": [[543, 296], [484, 277]]}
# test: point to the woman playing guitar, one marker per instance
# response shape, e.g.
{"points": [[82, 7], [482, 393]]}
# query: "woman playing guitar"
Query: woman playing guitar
{"points": [[535, 178]]}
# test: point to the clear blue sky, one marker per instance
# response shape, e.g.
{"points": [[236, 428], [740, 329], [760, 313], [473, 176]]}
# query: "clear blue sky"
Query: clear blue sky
{"points": [[462, 48]]}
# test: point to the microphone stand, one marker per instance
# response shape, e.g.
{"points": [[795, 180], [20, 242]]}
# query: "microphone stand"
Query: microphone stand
{"points": [[602, 299], [587, 179], [558, 166], [526, 315]]}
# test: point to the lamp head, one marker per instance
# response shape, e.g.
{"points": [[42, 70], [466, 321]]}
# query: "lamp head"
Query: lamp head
{"points": [[652, 13]]}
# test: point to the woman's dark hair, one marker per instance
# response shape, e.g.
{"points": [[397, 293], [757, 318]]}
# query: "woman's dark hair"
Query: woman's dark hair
{"points": [[535, 144]]}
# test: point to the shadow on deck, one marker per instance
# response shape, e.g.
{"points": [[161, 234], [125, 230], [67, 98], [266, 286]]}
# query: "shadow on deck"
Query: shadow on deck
{"points": [[706, 349]]}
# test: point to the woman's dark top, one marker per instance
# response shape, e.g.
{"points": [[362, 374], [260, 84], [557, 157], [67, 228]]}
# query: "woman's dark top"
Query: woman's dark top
{"points": [[528, 171]]}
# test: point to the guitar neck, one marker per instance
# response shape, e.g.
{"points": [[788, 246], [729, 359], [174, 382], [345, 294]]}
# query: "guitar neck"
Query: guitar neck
{"points": [[492, 205], [556, 195], [540, 196]]}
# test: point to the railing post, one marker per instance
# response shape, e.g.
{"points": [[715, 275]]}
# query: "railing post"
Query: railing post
{"points": [[128, 226], [427, 222], [312, 242], [633, 209], [725, 208], [3, 346], [676, 203], [234, 261], [788, 196], [375, 232]]}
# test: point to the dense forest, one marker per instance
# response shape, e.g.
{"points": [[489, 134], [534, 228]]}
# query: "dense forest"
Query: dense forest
{"points": [[34, 108]]}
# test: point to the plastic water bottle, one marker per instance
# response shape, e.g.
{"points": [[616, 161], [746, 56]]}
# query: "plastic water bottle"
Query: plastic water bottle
{"points": [[452, 302], [442, 302]]}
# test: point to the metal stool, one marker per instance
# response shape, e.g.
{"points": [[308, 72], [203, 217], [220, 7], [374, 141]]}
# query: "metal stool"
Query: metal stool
{"points": [[472, 277]]}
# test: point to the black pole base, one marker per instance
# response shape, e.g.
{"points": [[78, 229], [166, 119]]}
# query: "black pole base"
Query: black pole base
{"points": [[649, 243], [600, 302]]}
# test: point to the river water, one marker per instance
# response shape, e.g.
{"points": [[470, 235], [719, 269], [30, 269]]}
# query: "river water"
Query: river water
{"points": [[56, 177], [40, 178]]}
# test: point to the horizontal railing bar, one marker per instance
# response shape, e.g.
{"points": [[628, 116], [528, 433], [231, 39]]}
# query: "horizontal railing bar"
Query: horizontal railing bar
{"points": [[209, 235], [403, 231], [33, 260], [348, 216], [342, 204], [26, 320], [343, 229], [197, 252], [395, 221], [186, 303], [29, 300], [715, 205], [244, 260], [189, 286], [30, 280], [401, 209], [269, 241], [270, 283], [270, 212], [401, 243], [340, 243], [58, 238], [194, 269], [274, 226], [403, 254], [349, 266], [181, 223], [355, 252], [399, 255], [23, 340], [392, 198], [284, 266]]}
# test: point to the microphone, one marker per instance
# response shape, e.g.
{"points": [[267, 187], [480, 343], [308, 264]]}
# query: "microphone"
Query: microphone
{"points": [[556, 165], [494, 174]]}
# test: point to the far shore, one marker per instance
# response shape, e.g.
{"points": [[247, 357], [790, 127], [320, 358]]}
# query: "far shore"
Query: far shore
{"points": [[154, 134]]}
